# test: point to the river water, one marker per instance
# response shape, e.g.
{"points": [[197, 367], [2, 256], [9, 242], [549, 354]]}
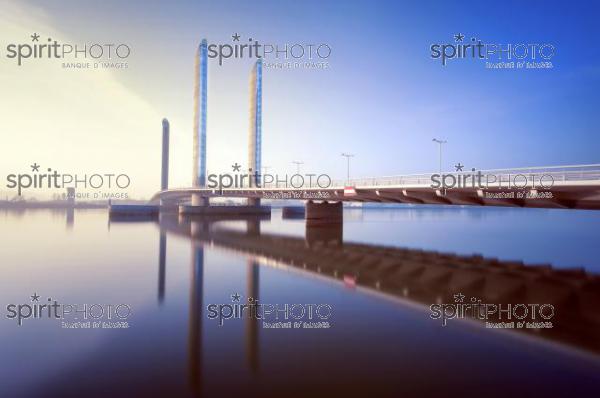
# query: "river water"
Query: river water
{"points": [[373, 333]]}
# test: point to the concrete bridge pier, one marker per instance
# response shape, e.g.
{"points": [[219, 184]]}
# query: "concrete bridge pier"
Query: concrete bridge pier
{"points": [[199, 200], [253, 202], [253, 206], [324, 213], [199, 205]]}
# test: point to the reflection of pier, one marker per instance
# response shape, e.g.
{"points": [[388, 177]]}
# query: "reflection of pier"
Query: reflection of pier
{"points": [[422, 277], [70, 218], [252, 292], [252, 326], [195, 319], [198, 228], [162, 268]]}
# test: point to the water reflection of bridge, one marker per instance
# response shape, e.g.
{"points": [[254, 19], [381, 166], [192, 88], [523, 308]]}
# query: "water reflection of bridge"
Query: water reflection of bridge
{"points": [[413, 276], [193, 229]]}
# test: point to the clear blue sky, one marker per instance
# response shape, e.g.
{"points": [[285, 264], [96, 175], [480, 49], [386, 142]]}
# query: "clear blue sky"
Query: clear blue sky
{"points": [[382, 98]]}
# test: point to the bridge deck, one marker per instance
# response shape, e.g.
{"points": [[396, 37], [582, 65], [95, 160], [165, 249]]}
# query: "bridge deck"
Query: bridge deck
{"points": [[570, 187]]}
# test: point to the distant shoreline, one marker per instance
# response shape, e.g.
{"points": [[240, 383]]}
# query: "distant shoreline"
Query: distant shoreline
{"points": [[50, 205]]}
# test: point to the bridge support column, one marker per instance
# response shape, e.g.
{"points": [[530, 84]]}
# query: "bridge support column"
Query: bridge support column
{"points": [[324, 222], [199, 200], [199, 205], [324, 212]]}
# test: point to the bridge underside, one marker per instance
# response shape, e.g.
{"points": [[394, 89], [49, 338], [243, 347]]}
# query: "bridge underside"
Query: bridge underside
{"points": [[561, 197]]}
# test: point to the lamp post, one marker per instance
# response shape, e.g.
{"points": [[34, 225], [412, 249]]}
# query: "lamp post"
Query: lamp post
{"points": [[348, 156], [264, 171], [297, 163], [440, 143]]}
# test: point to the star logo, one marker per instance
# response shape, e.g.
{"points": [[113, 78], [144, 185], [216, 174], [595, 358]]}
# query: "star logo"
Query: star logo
{"points": [[235, 37], [236, 166], [235, 297], [459, 298], [35, 167], [35, 297], [459, 37], [459, 167], [35, 37]]}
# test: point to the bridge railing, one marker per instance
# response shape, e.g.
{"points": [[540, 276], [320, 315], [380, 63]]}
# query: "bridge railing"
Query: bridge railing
{"points": [[522, 176], [526, 176]]}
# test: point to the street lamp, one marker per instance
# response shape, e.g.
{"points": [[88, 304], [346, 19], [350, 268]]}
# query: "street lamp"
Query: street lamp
{"points": [[348, 156], [440, 143], [297, 163]]}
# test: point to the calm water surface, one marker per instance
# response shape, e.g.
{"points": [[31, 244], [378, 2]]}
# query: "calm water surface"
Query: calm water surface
{"points": [[382, 341]]}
